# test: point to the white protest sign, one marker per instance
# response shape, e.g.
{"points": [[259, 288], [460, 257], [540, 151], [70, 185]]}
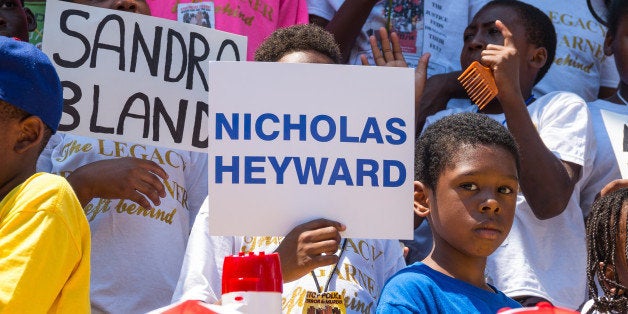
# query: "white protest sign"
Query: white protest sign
{"points": [[134, 78], [617, 128], [294, 142]]}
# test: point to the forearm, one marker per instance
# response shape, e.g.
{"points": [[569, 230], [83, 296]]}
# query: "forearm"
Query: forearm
{"points": [[544, 179], [80, 187], [347, 23]]}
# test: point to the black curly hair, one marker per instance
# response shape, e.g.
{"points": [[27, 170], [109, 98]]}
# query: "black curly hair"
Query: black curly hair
{"points": [[602, 231], [442, 140], [539, 29], [302, 37]]}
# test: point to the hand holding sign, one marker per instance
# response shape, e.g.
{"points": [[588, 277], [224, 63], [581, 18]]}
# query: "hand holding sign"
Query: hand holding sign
{"points": [[309, 246], [124, 178]]}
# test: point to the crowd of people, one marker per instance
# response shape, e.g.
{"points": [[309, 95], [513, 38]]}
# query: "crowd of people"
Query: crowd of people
{"points": [[518, 202]]}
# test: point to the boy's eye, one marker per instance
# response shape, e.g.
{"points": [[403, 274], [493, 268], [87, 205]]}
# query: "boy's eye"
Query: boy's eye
{"points": [[505, 190], [469, 186], [493, 30], [467, 37]]}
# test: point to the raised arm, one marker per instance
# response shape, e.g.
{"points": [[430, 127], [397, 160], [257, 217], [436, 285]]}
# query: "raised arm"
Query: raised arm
{"points": [[546, 181], [346, 23]]}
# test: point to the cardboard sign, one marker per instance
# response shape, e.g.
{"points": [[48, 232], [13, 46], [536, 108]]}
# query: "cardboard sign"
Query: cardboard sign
{"points": [[134, 78], [617, 128], [294, 142]]}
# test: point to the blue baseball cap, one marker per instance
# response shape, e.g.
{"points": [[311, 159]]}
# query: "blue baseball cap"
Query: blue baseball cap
{"points": [[28, 81]]}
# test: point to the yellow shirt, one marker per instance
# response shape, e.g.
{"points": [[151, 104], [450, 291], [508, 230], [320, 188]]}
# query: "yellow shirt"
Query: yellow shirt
{"points": [[44, 248]]}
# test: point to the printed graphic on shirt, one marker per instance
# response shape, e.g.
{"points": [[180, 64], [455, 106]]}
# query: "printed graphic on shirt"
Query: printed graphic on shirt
{"points": [[354, 277], [589, 41], [201, 14], [406, 18], [75, 152], [326, 303], [246, 10]]}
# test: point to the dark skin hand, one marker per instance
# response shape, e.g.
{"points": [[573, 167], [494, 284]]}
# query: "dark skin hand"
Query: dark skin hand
{"points": [[309, 246], [391, 56], [128, 178]]}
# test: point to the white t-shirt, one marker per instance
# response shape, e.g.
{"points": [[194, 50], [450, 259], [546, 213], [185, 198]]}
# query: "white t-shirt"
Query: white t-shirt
{"points": [[580, 65], [434, 26], [547, 258], [136, 253], [606, 168], [364, 267]]}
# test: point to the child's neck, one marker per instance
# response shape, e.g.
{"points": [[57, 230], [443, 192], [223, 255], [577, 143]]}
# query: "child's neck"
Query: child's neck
{"points": [[459, 266]]}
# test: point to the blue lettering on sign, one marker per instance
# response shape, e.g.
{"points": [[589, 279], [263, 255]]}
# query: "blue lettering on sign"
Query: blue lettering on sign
{"points": [[320, 128], [311, 170]]}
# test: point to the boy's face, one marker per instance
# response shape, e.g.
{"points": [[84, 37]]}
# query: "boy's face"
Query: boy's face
{"points": [[473, 204], [134, 6], [617, 45], [15, 21], [482, 32]]}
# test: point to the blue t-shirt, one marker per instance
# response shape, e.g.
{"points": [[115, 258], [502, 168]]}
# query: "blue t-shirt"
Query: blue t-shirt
{"points": [[420, 289]]}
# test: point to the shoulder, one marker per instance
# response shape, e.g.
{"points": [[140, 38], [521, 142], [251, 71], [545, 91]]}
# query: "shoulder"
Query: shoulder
{"points": [[560, 99], [411, 289], [44, 192], [417, 276], [45, 186]]}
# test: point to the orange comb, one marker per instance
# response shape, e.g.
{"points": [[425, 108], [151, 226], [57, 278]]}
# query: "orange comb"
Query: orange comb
{"points": [[479, 83]]}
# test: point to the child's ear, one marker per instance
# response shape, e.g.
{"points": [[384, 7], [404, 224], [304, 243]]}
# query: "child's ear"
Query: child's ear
{"points": [[421, 200], [608, 42], [32, 131], [31, 22], [421, 203], [539, 57]]}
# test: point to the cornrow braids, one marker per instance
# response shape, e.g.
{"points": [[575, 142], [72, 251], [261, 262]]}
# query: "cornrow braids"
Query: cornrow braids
{"points": [[602, 231]]}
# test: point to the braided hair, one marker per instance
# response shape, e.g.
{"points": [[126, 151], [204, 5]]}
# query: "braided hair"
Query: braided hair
{"points": [[602, 231]]}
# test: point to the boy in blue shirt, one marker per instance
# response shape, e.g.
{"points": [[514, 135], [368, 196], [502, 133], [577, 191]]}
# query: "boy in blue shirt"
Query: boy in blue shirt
{"points": [[466, 167]]}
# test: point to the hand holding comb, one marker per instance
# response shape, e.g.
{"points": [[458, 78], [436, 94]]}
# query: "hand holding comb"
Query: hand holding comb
{"points": [[479, 83]]}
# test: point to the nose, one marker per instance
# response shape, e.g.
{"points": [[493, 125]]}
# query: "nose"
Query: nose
{"points": [[125, 5], [489, 204]]}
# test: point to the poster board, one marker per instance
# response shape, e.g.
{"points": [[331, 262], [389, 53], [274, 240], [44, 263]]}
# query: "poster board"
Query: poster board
{"points": [[134, 78], [290, 143]]}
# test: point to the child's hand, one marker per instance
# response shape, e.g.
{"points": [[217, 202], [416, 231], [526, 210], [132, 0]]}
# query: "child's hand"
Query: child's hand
{"points": [[504, 61], [309, 246], [123, 178], [391, 56]]}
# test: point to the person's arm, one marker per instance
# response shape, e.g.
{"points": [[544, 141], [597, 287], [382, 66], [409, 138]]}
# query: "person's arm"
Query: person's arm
{"points": [[546, 181], [122, 178], [346, 23], [309, 246]]}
